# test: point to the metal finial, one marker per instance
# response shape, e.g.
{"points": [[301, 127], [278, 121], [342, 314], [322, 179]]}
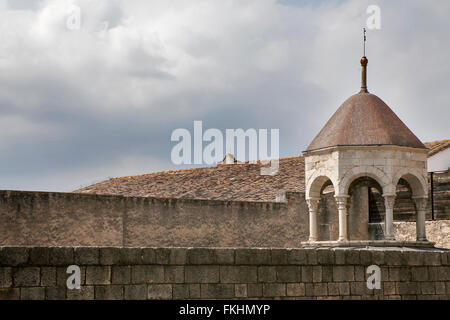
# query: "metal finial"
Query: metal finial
{"points": [[364, 62], [364, 44]]}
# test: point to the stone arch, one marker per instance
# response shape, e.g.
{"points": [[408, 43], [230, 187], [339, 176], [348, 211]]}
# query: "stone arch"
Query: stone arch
{"points": [[415, 179], [315, 184], [371, 172]]}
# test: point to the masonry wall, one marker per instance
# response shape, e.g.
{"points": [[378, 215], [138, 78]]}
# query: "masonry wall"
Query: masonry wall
{"points": [[208, 273], [69, 219]]}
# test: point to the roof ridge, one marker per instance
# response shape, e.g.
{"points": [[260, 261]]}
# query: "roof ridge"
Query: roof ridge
{"points": [[202, 168]]}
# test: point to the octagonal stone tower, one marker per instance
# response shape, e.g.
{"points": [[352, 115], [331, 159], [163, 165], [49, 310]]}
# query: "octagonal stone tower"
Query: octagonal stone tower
{"points": [[364, 138]]}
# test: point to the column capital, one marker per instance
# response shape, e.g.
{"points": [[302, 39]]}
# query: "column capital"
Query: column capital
{"points": [[313, 203], [421, 203], [389, 200], [341, 201]]}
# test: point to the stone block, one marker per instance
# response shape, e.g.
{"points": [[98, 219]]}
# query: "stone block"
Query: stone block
{"points": [[143, 274], [408, 288], [333, 289], [325, 256], [238, 274], [39, 256], [178, 256], [309, 290], [389, 288], [365, 257], [98, 275], [109, 292], [84, 293], [414, 258], [352, 257], [61, 256], [439, 287], [432, 258], [439, 273], [217, 291], [289, 273], [419, 273], [194, 291], [180, 291], [202, 274], [121, 275], [9, 293], [297, 256], [311, 256], [427, 288], [317, 273], [343, 273], [32, 293], [48, 276], [55, 293], [5, 277], [393, 257], [307, 273], [267, 274], [13, 256], [26, 277], [240, 290], [344, 288], [378, 257], [358, 288], [118, 256], [254, 290], [399, 274], [173, 274], [360, 273], [274, 290], [327, 273], [339, 255], [135, 292], [320, 289], [295, 289], [280, 256], [162, 255], [86, 256], [148, 256], [253, 256]]}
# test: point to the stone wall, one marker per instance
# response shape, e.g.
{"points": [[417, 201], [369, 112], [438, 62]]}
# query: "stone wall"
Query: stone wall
{"points": [[437, 231], [70, 219], [208, 273]]}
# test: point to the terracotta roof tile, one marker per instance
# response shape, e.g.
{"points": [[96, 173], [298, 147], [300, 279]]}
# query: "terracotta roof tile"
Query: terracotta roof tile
{"points": [[437, 146], [239, 181]]}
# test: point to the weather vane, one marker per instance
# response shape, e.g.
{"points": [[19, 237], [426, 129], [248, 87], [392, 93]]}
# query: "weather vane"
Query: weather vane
{"points": [[364, 46]]}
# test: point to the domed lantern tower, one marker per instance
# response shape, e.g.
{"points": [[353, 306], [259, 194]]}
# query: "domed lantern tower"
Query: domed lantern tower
{"points": [[364, 138]]}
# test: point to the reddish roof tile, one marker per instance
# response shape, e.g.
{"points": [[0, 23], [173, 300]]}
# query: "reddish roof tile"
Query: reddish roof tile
{"points": [[239, 181]]}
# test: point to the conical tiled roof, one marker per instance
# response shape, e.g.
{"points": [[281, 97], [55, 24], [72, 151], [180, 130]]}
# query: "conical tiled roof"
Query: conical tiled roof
{"points": [[364, 119]]}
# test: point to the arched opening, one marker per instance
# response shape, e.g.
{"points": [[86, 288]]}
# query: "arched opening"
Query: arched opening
{"points": [[328, 218], [322, 207], [411, 206], [366, 209]]}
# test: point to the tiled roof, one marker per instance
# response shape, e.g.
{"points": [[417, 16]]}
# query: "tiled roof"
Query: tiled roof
{"points": [[437, 146], [364, 119], [238, 181]]}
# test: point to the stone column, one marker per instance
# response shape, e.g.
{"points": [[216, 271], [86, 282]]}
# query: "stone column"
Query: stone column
{"points": [[343, 213], [389, 201], [313, 205], [421, 206]]}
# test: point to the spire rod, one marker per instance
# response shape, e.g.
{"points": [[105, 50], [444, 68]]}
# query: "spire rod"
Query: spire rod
{"points": [[364, 62]]}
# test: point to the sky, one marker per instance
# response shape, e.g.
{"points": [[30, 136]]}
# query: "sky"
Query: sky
{"points": [[79, 105]]}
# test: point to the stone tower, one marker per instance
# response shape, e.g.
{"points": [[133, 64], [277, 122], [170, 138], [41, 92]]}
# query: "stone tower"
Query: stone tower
{"points": [[365, 138]]}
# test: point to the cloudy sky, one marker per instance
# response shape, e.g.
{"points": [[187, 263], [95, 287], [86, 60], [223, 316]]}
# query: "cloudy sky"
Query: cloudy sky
{"points": [[78, 106]]}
